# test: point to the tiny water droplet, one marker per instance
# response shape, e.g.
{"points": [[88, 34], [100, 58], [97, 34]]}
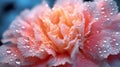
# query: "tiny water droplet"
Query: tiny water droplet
{"points": [[117, 44], [104, 51], [23, 27], [97, 32], [8, 51], [11, 59], [96, 45], [24, 46], [27, 39], [111, 13], [114, 39], [111, 3], [108, 18], [102, 12], [103, 45], [17, 31], [88, 5], [117, 33], [30, 50], [102, 8], [27, 46], [113, 9], [105, 16], [17, 61], [100, 51], [101, 55], [106, 0], [96, 18], [104, 41], [41, 50]]}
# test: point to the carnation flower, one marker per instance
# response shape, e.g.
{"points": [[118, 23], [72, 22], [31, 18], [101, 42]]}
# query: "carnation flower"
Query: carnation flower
{"points": [[71, 34]]}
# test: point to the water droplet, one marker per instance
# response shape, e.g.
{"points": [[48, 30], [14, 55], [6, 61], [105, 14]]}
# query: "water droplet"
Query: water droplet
{"points": [[111, 3], [102, 12], [104, 41], [111, 13], [41, 50], [88, 5], [96, 18], [100, 51], [117, 44], [103, 45], [96, 45], [11, 59], [23, 27], [8, 51], [27, 46], [108, 18], [105, 16], [114, 39], [30, 50], [117, 33], [97, 32], [113, 9], [101, 55], [17, 31], [104, 51], [102, 8], [17, 61], [106, 0], [24, 46], [15, 55], [99, 48], [27, 39]]}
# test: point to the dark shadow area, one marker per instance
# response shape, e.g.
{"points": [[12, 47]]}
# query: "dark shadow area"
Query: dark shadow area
{"points": [[8, 7]]}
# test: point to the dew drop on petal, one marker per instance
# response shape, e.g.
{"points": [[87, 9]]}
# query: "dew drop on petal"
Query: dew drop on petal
{"points": [[102, 12], [23, 27], [17, 31], [102, 8], [96, 18], [8, 51], [111, 13], [104, 41], [11, 59], [108, 19], [117, 44], [114, 39], [17, 61], [104, 51], [117, 33], [100, 51]]}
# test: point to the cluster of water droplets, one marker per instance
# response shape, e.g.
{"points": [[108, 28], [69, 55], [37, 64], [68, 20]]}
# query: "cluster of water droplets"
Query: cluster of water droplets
{"points": [[101, 11], [109, 10], [11, 57], [109, 45]]}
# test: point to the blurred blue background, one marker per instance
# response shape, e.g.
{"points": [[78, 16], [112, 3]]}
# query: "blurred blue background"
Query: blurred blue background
{"points": [[9, 9]]}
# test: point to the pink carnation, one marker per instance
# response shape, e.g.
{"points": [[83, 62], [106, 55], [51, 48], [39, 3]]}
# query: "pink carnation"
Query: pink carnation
{"points": [[71, 34]]}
